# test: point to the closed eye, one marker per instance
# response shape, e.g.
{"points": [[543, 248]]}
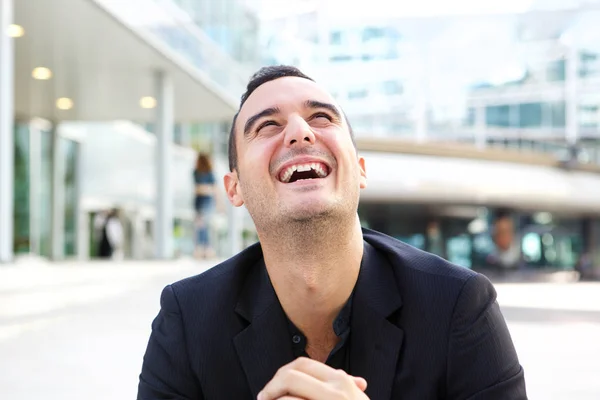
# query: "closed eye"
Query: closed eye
{"points": [[265, 124], [322, 115]]}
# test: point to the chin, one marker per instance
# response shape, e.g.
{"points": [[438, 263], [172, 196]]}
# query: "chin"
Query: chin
{"points": [[312, 212]]}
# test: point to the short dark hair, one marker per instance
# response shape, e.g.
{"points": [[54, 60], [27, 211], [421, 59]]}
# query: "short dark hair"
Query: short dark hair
{"points": [[264, 75]]}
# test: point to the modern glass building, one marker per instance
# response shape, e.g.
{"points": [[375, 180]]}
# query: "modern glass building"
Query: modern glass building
{"points": [[104, 106], [518, 89], [522, 80]]}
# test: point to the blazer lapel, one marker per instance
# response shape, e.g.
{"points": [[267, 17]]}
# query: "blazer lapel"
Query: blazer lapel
{"points": [[264, 346], [375, 341]]}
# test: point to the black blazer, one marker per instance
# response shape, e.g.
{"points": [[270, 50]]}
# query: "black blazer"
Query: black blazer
{"points": [[421, 329]]}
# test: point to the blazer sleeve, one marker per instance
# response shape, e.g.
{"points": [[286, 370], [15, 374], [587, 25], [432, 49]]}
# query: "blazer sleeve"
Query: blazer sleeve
{"points": [[482, 361], [166, 372]]}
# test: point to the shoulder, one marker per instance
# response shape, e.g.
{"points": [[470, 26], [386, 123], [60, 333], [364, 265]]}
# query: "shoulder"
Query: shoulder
{"points": [[218, 285], [417, 266], [430, 285]]}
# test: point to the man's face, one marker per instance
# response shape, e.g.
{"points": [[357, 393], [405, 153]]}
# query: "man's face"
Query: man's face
{"points": [[296, 159], [503, 233]]}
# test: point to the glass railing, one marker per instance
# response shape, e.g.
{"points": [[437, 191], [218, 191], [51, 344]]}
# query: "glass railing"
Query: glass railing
{"points": [[171, 26]]}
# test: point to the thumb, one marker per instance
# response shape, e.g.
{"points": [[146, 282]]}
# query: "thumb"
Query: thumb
{"points": [[361, 383]]}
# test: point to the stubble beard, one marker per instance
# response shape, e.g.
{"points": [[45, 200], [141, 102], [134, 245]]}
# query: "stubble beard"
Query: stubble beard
{"points": [[299, 231]]}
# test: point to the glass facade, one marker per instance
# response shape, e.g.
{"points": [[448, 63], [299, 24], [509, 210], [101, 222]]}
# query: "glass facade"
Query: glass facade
{"points": [[509, 76], [32, 196], [69, 150], [22, 217], [230, 24], [470, 238]]}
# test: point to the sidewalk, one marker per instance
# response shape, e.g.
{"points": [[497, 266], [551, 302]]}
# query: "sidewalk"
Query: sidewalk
{"points": [[32, 274], [33, 292], [85, 281]]}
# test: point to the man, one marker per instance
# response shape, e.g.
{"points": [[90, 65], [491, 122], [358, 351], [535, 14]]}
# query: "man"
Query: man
{"points": [[507, 254], [320, 308]]}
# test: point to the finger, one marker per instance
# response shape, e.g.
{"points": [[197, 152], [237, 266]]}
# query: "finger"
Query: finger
{"points": [[361, 383], [324, 372], [291, 382], [316, 369]]}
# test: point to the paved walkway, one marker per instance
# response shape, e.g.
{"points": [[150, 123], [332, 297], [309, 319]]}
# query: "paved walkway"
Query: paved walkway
{"points": [[78, 330], [32, 291]]}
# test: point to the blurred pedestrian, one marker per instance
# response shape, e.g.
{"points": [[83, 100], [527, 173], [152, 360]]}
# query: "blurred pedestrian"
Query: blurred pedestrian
{"points": [[204, 200], [110, 245], [507, 252]]}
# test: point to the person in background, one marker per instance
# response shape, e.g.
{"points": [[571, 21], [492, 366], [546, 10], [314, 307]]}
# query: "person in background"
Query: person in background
{"points": [[507, 255], [204, 181], [110, 245]]}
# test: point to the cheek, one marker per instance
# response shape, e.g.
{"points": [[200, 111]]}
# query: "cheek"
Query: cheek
{"points": [[341, 148], [257, 157]]}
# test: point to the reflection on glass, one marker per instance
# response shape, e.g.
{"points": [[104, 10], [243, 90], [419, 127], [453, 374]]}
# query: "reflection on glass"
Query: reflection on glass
{"points": [[22, 190], [69, 151], [45, 194], [532, 249]]}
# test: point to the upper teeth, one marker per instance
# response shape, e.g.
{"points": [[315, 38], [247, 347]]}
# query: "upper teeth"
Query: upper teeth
{"points": [[319, 168]]}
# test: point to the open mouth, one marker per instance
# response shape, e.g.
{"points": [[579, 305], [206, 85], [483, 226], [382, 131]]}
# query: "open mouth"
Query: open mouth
{"points": [[293, 173]]}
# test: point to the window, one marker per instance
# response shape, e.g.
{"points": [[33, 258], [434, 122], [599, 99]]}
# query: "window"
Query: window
{"points": [[358, 94], [340, 58], [392, 88], [370, 33], [458, 250], [557, 112], [555, 71], [590, 64], [497, 115], [335, 37], [531, 245], [588, 116], [530, 115]]}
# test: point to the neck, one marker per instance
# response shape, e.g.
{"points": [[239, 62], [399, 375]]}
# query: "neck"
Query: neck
{"points": [[313, 268]]}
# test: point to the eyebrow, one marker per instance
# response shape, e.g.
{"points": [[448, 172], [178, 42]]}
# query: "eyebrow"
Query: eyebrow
{"points": [[329, 107], [252, 120], [314, 104]]}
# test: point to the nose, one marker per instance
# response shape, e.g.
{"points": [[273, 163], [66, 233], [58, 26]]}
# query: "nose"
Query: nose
{"points": [[298, 133]]}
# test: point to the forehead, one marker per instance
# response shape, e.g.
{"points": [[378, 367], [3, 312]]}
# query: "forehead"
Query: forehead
{"points": [[286, 93]]}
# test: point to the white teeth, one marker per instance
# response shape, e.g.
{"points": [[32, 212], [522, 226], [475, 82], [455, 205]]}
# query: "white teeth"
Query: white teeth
{"points": [[317, 167]]}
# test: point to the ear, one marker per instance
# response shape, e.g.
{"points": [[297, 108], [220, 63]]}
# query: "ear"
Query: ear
{"points": [[363, 172], [232, 188]]}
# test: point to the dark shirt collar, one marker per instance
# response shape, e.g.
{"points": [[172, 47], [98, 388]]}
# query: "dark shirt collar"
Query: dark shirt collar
{"points": [[341, 324]]}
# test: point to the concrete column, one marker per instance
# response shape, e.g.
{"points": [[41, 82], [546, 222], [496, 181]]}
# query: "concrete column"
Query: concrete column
{"points": [[571, 94], [83, 235], [58, 197], [422, 123], [35, 182], [480, 127], [423, 101], [138, 236], [6, 132], [163, 223], [82, 223]]}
